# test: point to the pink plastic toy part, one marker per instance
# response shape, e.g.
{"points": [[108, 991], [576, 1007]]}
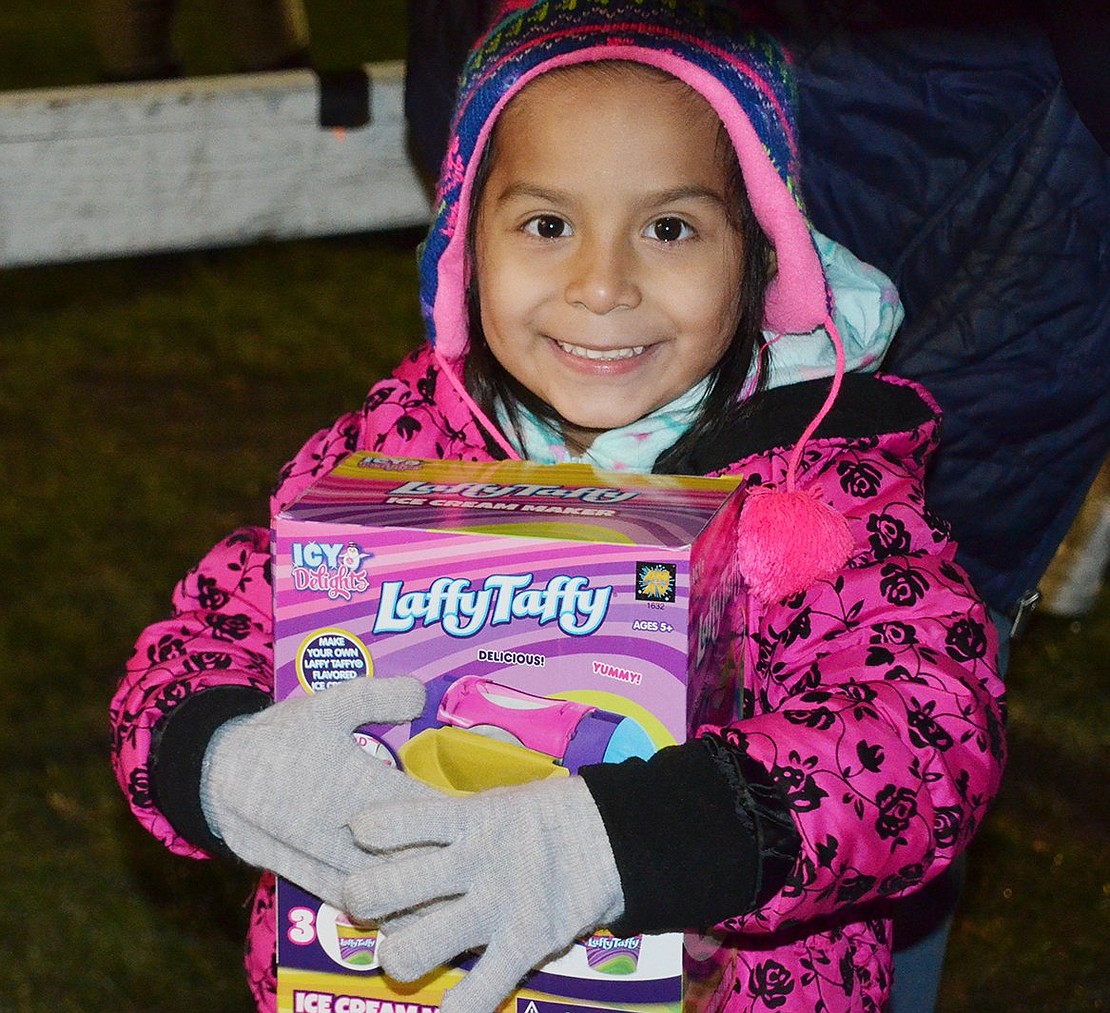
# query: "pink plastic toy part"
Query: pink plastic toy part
{"points": [[544, 725]]}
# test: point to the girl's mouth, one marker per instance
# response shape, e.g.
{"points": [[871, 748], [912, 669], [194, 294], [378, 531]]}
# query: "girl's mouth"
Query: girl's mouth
{"points": [[600, 355]]}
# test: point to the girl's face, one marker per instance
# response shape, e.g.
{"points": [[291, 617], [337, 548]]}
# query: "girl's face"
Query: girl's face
{"points": [[607, 255]]}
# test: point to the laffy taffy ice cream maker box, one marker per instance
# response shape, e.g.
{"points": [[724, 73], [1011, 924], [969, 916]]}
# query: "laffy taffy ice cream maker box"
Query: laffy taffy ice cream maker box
{"points": [[559, 616]]}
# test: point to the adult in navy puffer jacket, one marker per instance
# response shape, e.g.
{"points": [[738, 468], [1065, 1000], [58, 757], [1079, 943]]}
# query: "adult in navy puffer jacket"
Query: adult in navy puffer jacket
{"points": [[964, 150]]}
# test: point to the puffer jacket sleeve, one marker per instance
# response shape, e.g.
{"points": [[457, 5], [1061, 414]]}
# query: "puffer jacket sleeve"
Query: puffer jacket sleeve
{"points": [[872, 699], [211, 660]]}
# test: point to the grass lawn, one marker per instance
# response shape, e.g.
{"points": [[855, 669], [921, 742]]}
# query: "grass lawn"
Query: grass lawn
{"points": [[145, 408]]}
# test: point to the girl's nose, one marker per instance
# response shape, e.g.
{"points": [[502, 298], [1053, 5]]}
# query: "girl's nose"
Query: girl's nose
{"points": [[602, 277]]}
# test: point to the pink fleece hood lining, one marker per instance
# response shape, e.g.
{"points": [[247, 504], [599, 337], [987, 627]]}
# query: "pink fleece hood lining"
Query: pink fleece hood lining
{"points": [[796, 299]]}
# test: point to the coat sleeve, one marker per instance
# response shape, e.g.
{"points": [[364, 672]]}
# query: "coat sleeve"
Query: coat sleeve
{"points": [[873, 699], [210, 660]]}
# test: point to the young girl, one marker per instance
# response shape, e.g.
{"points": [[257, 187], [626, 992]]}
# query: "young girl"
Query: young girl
{"points": [[620, 270]]}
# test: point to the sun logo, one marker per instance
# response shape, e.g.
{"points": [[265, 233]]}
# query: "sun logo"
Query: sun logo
{"points": [[655, 581]]}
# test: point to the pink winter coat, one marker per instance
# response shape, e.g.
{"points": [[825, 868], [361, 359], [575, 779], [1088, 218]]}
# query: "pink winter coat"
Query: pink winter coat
{"points": [[874, 698]]}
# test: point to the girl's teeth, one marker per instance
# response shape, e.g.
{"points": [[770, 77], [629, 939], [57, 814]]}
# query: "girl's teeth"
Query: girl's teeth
{"points": [[607, 356]]}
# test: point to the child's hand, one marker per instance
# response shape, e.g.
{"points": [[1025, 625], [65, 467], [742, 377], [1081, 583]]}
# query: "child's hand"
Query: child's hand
{"points": [[523, 871], [280, 786]]}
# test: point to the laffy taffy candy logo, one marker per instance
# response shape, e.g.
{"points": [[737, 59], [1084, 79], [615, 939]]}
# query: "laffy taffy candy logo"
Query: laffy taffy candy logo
{"points": [[331, 568]]}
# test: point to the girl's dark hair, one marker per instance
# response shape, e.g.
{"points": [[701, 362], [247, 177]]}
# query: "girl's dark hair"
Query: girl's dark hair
{"points": [[490, 384]]}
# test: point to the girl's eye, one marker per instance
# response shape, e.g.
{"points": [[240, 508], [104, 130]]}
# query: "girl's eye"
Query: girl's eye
{"points": [[668, 230], [548, 227]]}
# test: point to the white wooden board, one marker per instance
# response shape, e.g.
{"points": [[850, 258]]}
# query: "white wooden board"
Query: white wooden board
{"points": [[116, 170]]}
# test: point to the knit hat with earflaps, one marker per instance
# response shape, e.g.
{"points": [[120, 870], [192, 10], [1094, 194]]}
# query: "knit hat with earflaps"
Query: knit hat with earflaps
{"points": [[787, 538]]}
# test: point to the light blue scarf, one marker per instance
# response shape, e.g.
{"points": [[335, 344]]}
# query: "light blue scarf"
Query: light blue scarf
{"points": [[635, 447]]}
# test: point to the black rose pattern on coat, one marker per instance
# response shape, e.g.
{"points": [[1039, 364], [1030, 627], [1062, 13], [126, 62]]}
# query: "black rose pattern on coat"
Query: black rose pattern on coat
{"points": [[229, 627], [894, 633], [172, 695], [862, 697], [889, 536], [923, 728], [902, 586], [966, 640], [812, 717], [860, 479], [799, 878], [399, 410], [167, 647], [947, 822], [771, 983], [879, 656], [378, 396], [187, 652], [407, 427], [897, 806], [138, 788], [202, 661], [426, 386], [209, 595]]}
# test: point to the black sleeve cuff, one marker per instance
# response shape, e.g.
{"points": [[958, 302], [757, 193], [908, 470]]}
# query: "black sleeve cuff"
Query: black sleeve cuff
{"points": [[177, 753], [699, 833]]}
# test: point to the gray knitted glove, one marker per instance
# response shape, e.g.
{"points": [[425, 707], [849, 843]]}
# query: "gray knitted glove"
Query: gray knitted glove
{"points": [[280, 786], [523, 871]]}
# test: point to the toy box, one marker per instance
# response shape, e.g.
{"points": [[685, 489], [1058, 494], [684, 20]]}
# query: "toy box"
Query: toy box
{"points": [[559, 616]]}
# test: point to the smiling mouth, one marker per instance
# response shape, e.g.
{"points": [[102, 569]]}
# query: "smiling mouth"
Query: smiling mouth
{"points": [[599, 355]]}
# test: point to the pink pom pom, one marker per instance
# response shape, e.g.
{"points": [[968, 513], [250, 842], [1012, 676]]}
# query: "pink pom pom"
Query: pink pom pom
{"points": [[788, 540]]}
